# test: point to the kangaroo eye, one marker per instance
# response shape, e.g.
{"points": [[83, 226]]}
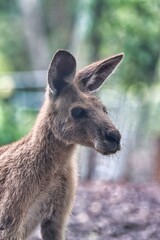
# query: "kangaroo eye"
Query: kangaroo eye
{"points": [[78, 113]]}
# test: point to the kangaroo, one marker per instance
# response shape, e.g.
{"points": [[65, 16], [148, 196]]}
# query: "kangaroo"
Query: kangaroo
{"points": [[38, 174]]}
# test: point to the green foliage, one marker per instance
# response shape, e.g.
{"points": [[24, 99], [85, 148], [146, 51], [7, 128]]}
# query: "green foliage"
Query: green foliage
{"points": [[11, 119], [131, 27], [13, 52], [58, 19]]}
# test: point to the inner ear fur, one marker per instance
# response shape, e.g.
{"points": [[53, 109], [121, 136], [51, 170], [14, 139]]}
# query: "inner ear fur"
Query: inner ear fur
{"points": [[93, 76], [61, 71]]}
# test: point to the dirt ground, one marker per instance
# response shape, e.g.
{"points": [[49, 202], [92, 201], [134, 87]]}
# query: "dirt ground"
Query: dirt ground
{"points": [[124, 211]]}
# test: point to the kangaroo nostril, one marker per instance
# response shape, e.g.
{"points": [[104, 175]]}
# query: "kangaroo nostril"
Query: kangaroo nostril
{"points": [[113, 136]]}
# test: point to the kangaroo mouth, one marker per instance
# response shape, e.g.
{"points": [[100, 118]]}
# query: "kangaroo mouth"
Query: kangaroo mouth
{"points": [[107, 141], [107, 147]]}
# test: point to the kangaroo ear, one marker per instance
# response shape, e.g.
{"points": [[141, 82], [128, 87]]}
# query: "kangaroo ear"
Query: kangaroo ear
{"points": [[93, 76], [61, 71]]}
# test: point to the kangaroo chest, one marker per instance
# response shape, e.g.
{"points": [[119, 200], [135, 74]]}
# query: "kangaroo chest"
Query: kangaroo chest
{"points": [[56, 194]]}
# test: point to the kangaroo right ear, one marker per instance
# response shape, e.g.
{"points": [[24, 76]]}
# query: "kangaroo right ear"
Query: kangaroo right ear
{"points": [[61, 71], [93, 76]]}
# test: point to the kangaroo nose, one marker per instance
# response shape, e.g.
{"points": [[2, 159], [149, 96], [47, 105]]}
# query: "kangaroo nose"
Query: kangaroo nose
{"points": [[113, 136]]}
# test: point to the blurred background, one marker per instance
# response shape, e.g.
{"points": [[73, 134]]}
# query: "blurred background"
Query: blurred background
{"points": [[30, 33]]}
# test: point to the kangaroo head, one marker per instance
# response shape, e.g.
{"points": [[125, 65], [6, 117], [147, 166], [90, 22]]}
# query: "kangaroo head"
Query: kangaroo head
{"points": [[78, 117]]}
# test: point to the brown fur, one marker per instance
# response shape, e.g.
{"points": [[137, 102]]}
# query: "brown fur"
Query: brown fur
{"points": [[38, 174]]}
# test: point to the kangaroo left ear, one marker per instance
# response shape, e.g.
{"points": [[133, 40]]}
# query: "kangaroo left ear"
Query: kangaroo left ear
{"points": [[93, 76], [61, 71]]}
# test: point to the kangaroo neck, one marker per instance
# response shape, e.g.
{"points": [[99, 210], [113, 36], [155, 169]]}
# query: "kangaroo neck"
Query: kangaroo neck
{"points": [[44, 138]]}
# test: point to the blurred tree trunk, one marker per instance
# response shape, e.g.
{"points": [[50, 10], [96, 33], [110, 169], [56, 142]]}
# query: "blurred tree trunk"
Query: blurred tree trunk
{"points": [[34, 32], [95, 38], [59, 17], [95, 41]]}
